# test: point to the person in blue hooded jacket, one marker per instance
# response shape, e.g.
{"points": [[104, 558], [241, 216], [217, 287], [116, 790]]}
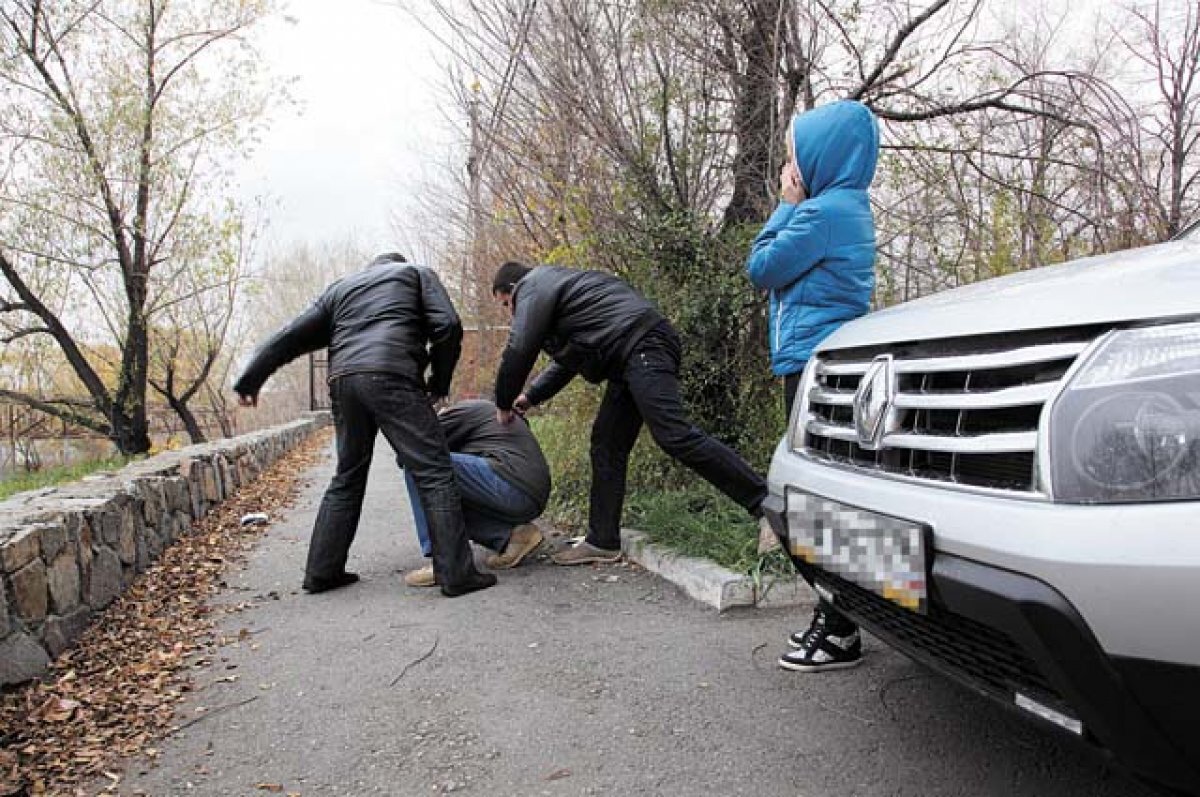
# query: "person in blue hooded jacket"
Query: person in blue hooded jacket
{"points": [[816, 259]]}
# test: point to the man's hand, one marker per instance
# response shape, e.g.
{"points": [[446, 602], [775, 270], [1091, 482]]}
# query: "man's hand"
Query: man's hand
{"points": [[790, 184], [521, 405], [437, 402], [248, 399]]}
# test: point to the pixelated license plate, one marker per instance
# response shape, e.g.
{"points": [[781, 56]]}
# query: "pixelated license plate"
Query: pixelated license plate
{"points": [[883, 554]]}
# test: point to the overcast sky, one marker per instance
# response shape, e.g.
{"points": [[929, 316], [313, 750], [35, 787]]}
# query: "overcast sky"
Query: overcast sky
{"points": [[365, 131]]}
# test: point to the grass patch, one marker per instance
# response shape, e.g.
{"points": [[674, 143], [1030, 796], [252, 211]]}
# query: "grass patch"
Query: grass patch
{"points": [[48, 477], [700, 521], [676, 508]]}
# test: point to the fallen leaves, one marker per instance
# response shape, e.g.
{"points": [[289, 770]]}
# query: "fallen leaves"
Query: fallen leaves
{"points": [[117, 690]]}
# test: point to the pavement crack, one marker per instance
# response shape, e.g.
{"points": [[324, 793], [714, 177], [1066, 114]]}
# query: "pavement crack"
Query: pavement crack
{"points": [[416, 661]]}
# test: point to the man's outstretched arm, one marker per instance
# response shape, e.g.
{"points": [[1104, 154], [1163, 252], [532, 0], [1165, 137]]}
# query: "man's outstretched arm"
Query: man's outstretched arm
{"points": [[308, 332]]}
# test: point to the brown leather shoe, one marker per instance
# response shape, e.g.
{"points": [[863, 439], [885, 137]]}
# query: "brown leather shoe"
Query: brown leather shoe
{"points": [[524, 540], [585, 553], [767, 539], [421, 577]]}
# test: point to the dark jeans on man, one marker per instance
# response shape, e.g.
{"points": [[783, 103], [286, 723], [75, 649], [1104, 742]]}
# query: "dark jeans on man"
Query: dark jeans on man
{"points": [[491, 505], [838, 622], [363, 405], [647, 391]]}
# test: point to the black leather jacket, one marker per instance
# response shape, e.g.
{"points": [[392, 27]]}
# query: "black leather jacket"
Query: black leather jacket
{"points": [[587, 321], [391, 317]]}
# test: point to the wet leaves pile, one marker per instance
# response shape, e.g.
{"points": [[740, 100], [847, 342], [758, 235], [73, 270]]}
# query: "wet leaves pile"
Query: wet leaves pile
{"points": [[115, 693]]}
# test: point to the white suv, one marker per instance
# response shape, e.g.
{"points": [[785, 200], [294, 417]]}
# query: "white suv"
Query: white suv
{"points": [[1003, 482]]}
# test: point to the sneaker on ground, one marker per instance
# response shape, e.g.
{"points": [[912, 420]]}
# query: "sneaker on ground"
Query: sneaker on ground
{"points": [[767, 539], [421, 577], [524, 540], [822, 647], [585, 553]]}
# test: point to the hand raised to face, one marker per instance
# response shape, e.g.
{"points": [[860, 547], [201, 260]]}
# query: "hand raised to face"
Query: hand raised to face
{"points": [[791, 187]]}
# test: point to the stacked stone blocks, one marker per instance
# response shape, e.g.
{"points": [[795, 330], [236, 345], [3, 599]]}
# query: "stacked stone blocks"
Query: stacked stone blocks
{"points": [[67, 552]]}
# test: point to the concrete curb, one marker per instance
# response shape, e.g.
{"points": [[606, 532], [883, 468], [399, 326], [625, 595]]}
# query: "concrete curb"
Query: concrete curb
{"points": [[710, 583]]}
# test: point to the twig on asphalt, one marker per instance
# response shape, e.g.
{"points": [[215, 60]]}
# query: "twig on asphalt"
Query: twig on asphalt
{"points": [[754, 656], [213, 713], [416, 661]]}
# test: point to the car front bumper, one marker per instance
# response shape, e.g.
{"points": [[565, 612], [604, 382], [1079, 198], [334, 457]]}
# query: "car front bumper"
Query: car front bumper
{"points": [[1015, 635]]}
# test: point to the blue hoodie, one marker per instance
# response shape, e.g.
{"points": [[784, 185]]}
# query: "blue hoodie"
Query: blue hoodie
{"points": [[817, 258]]}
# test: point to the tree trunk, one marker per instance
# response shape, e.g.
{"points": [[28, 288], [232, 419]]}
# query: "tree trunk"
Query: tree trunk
{"points": [[754, 118], [130, 431], [194, 430]]}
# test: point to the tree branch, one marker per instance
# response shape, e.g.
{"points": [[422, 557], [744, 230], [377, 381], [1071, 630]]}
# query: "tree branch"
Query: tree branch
{"points": [[57, 409], [893, 49]]}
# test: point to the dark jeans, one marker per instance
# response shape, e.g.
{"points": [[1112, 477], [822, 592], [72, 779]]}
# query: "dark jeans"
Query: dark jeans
{"points": [[363, 405], [838, 622], [647, 390], [491, 506]]}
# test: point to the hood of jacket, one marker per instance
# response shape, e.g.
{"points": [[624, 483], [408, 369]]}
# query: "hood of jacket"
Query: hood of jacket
{"points": [[836, 146]]}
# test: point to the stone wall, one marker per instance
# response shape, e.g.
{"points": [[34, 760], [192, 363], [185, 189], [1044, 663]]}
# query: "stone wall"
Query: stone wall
{"points": [[66, 552]]}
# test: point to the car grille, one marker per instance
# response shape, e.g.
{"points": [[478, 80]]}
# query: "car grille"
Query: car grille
{"points": [[987, 659], [965, 410]]}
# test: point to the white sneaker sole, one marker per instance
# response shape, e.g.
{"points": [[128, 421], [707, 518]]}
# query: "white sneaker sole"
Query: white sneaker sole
{"points": [[829, 665]]}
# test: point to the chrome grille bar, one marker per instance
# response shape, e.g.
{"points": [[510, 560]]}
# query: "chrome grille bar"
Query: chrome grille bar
{"points": [[974, 400], [1001, 443], [1027, 355]]}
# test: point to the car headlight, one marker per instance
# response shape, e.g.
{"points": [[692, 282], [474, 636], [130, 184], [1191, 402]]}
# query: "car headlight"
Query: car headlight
{"points": [[1127, 425]]}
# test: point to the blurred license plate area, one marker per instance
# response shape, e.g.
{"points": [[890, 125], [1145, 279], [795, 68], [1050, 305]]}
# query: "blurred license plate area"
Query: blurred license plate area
{"points": [[881, 553]]}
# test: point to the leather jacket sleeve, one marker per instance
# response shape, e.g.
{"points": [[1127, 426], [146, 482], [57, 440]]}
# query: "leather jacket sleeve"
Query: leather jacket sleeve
{"points": [[533, 309], [444, 330], [308, 332], [548, 383]]}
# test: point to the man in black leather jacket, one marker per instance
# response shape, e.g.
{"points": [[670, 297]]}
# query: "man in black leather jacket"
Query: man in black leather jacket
{"points": [[383, 326], [595, 325]]}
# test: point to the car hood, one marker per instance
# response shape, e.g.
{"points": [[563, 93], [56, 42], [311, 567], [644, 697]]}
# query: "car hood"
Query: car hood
{"points": [[1161, 281]]}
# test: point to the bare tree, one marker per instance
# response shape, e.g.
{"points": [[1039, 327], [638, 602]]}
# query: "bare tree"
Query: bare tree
{"points": [[1164, 38], [115, 119]]}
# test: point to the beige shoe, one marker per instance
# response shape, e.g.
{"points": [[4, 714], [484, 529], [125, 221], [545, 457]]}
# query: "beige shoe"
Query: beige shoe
{"points": [[524, 540], [585, 554], [767, 539], [421, 577]]}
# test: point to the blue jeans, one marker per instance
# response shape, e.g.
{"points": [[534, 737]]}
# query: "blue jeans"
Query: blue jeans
{"points": [[491, 506]]}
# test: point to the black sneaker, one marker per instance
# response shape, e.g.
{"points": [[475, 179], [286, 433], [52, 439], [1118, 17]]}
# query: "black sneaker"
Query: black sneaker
{"points": [[822, 648]]}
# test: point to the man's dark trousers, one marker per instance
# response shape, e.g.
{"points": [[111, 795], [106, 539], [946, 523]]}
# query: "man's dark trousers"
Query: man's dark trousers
{"points": [[647, 390], [364, 404]]}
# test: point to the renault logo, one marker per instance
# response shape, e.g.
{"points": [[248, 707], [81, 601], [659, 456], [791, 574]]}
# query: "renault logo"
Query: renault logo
{"points": [[873, 401]]}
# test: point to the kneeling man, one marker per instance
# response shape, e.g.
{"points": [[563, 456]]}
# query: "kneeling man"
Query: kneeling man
{"points": [[503, 479]]}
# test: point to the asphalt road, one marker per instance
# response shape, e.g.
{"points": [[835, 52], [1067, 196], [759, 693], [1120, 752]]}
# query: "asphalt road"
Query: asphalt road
{"points": [[563, 681]]}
